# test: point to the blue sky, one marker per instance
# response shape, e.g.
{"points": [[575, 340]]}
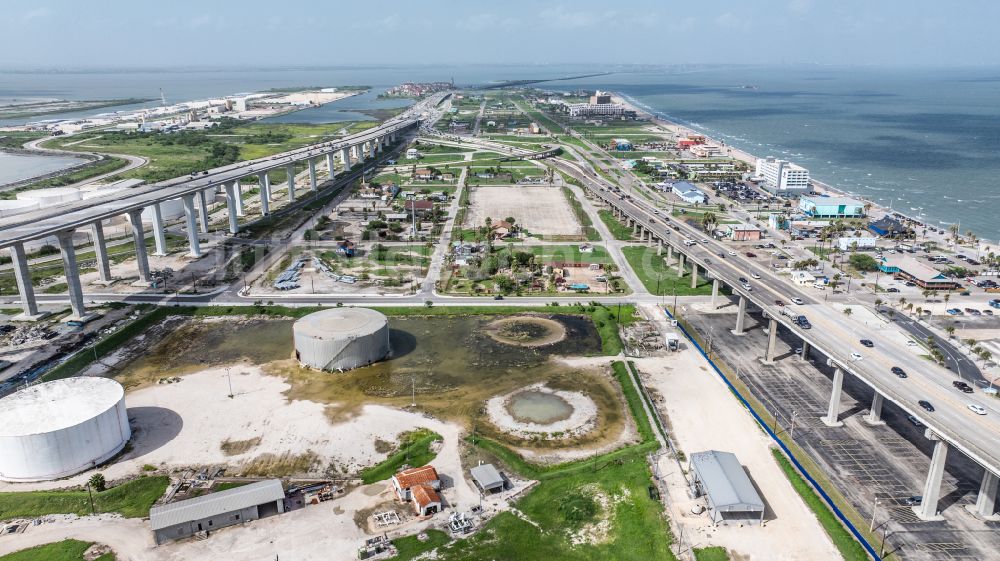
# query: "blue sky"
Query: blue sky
{"points": [[120, 33]]}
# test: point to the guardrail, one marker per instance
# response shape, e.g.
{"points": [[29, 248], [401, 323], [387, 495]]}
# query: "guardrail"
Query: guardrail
{"points": [[784, 448]]}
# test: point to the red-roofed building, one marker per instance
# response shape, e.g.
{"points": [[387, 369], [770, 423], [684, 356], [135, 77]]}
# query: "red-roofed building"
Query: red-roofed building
{"points": [[404, 481], [426, 501]]}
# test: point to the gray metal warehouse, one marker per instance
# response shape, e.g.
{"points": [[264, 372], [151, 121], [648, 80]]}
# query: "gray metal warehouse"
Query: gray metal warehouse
{"points": [[732, 498], [211, 512], [488, 478]]}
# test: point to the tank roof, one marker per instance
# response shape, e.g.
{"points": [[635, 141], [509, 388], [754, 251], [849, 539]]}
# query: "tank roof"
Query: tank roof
{"points": [[57, 405], [340, 321]]}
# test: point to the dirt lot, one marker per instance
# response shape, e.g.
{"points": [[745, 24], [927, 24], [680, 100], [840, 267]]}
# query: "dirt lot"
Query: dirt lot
{"points": [[705, 416], [540, 210]]}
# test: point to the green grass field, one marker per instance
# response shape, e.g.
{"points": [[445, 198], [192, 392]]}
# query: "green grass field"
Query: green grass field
{"points": [[414, 451], [66, 550], [409, 547], [618, 230], [567, 253], [131, 499], [715, 553], [652, 271]]}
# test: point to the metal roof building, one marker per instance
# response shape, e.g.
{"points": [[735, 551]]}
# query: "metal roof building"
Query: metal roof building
{"points": [[731, 495], [488, 478], [211, 512]]}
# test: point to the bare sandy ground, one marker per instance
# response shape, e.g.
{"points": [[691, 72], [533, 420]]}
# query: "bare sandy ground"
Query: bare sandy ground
{"points": [[580, 421], [540, 210], [704, 416]]}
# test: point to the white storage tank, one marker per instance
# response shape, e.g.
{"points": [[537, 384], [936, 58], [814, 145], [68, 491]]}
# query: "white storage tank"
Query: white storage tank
{"points": [[171, 209], [341, 338], [51, 195], [12, 207], [60, 428]]}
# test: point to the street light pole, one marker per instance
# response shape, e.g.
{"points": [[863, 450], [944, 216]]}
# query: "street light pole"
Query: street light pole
{"points": [[230, 378], [871, 528]]}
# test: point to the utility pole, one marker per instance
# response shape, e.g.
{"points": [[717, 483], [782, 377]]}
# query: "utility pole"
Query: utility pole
{"points": [[230, 378], [91, 493]]}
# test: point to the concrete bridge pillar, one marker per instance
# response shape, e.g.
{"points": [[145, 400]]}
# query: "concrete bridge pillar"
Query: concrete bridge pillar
{"points": [[192, 225], [715, 293], [359, 152], [380, 144], [290, 170], [680, 265], [635, 228], [805, 351], [234, 225], [345, 158], [694, 275], [874, 416], [238, 190], [203, 210], [670, 252], [313, 186], [159, 237], [986, 501], [659, 247], [101, 252], [139, 240], [928, 507], [741, 313], [265, 193], [832, 418], [29, 306], [772, 339], [371, 148], [72, 272], [329, 165]]}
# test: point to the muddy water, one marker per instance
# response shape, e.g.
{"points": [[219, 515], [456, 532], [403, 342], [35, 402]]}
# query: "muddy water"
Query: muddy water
{"points": [[543, 408]]}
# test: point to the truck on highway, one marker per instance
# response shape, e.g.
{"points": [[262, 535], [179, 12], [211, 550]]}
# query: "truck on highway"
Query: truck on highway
{"points": [[793, 313], [672, 340]]}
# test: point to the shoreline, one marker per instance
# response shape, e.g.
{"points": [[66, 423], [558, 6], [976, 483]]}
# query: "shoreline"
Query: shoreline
{"points": [[742, 155]]}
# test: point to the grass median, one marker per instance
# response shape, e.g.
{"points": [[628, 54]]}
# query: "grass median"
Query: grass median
{"points": [[661, 279], [66, 550]]}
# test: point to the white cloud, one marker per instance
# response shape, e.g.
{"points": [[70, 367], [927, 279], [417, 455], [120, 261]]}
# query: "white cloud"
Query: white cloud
{"points": [[37, 13]]}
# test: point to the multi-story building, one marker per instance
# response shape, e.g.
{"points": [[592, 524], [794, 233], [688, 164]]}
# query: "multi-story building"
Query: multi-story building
{"points": [[782, 177], [600, 98], [598, 109]]}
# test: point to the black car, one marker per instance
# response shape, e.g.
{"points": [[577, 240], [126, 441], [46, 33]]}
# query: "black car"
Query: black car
{"points": [[744, 280], [926, 405], [898, 371], [914, 500], [893, 289], [965, 388], [867, 343], [498, 297]]}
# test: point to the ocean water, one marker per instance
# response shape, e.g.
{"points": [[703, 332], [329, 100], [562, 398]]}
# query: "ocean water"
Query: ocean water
{"points": [[926, 142], [16, 167]]}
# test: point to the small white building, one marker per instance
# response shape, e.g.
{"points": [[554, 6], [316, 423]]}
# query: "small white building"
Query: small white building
{"points": [[412, 153], [847, 244], [802, 278]]}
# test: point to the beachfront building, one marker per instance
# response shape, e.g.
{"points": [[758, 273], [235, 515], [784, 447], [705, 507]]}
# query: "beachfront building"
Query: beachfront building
{"points": [[707, 150], [782, 177], [689, 193], [600, 98], [831, 207], [888, 227], [599, 110], [910, 270]]}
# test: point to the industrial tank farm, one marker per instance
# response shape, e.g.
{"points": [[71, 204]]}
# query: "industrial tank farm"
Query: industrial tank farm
{"points": [[60, 428], [341, 338]]}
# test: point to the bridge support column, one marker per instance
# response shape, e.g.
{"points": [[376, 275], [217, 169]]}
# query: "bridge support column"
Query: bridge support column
{"points": [[159, 237], [772, 340], [379, 144], [329, 165], [832, 418], [680, 265], [234, 225], [635, 228], [139, 240], [101, 252], [694, 275], [345, 158], [371, 148], [805, 351], [741, 314], [265, 194], [238, 190], [203, 210], [874, 416], [72, 273], [928, 507], [659, 247], [313, 186], [192, 226], [715, 293], [29, 306], [670, 252], [986, 501], [290, 169]]}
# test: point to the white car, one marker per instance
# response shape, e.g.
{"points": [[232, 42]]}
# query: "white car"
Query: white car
{"points": [[731, 253], [911, 343], [856, 356], [754, 276], [797, 301], [977, 409], [704, 240]]}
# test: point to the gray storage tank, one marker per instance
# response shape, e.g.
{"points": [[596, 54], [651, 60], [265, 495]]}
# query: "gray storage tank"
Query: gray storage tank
{"points": [[341, 338]]}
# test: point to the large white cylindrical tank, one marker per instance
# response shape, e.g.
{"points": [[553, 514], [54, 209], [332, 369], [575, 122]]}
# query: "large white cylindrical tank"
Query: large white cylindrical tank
{"points": [[92, 192], [341, 338], [16, 206], [171, 209], [60, 428], [51, 196]]}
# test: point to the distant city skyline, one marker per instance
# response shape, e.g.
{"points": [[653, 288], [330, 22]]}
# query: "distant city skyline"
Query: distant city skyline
{"points": [[112, 33]]}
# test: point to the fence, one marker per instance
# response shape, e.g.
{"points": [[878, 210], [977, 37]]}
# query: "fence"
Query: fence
{"points": [[784, 448]]}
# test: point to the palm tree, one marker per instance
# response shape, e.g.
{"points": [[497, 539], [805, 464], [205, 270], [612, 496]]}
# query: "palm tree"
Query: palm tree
{"points": [[927, 295], [950, 330], [909, 307], [902, 302], [848, 311], [954, 232], [947, 296]]}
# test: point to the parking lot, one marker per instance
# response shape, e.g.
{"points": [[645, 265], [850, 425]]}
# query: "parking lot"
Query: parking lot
{"points": [[887, 462]]}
